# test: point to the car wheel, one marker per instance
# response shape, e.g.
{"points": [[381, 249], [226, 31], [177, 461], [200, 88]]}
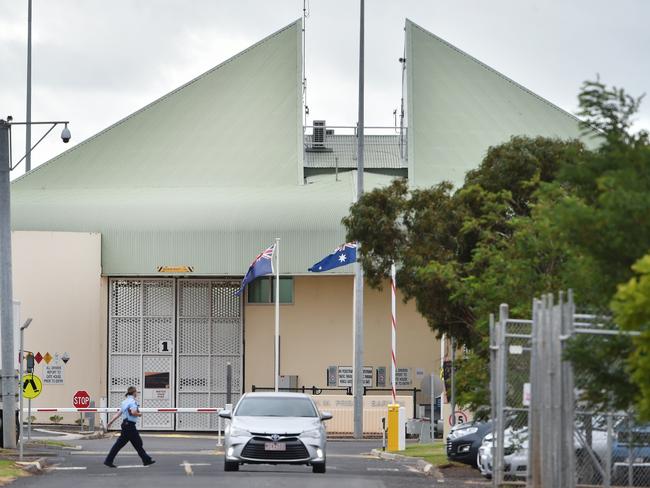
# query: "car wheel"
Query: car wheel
{"points": [[318, 467], [230, 466]]}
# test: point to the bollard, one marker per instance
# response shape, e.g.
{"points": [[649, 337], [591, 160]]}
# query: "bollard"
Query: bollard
{"points": [[393, 427]]}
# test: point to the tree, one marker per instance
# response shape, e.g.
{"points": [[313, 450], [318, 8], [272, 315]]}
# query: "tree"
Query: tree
{"points": [[631, 306]]}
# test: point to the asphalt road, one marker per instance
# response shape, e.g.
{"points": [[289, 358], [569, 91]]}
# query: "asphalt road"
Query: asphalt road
{"points": [[193, 461]]}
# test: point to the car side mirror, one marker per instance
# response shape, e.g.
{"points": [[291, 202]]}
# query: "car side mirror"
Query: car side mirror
{"points": [[325, 416], [225, 414]]}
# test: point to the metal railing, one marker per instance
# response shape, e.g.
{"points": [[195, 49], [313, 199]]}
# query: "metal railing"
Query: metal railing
{"points": [[336, 147]]}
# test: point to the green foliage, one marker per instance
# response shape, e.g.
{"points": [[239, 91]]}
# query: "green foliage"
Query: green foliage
{"points": [[631, 306], [56, 419], [537, 215]]}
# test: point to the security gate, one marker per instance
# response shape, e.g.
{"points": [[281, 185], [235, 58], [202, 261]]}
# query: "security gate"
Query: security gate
{"points": [[209, 337], [175, 355], [141, 332]]}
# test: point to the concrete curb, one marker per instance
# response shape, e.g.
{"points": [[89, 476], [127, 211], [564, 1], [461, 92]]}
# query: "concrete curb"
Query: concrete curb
{"points": [[37, 466], [423, 466], [67, 436]]}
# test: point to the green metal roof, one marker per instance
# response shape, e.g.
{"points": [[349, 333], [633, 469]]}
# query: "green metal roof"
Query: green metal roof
{"points": [[216, 231], [458, 107], [238, 123]]}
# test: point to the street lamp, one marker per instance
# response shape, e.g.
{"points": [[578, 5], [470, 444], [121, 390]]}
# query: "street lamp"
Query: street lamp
{"points": [[8, 376], [20, 375]]}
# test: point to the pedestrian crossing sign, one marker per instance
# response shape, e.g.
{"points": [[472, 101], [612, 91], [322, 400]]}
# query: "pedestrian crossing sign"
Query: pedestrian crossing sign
{"points": [[32, 386]]}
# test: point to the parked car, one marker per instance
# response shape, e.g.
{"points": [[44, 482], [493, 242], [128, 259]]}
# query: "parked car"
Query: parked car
{"points": [[515, 457], [631, 455], [464, 441], [275, 428]]}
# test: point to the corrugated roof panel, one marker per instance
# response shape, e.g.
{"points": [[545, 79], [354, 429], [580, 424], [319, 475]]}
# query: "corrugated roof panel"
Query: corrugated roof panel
{"points": [[216, 231], [381, 152], [239, 119], [458, 107]]}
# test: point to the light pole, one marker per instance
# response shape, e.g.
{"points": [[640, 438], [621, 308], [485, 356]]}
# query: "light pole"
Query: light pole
{"points": [[9, 382], [20, 376], [358, 277]]}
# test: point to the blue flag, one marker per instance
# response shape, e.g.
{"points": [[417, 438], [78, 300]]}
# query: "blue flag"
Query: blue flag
{"points": [[341, 256], [262, 265]]}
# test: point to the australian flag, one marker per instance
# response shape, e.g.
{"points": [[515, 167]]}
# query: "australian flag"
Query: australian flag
{"points": [[262, 265], [345, 254]]}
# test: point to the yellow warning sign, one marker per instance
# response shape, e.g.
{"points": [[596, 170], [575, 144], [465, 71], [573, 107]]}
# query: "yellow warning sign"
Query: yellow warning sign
{"points": [[32, 386], [47, 358], [175, 269]]}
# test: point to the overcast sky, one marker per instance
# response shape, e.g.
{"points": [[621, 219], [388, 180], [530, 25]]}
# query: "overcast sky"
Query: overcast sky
{"points": [[95, 62]]}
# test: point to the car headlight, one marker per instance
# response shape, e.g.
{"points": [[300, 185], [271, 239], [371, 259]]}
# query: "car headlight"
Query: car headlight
{"points": [[237, 432], [313, 434], [463, 432]]}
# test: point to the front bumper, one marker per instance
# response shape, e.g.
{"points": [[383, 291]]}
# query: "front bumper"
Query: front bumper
{"points": [[298, 450]]}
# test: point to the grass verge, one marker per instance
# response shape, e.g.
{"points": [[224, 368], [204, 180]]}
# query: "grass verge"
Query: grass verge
{"points": [[432, 453], [9, 470]]}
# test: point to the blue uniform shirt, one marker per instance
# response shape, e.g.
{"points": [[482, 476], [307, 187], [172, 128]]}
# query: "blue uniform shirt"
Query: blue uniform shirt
{"points": [[129, 404]]}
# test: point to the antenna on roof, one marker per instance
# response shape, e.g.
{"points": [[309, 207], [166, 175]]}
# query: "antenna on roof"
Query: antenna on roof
{"points": [[305, 13]]}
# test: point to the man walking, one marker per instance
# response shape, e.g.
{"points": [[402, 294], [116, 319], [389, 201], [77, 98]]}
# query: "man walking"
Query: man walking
{"points": [[129, 411]]}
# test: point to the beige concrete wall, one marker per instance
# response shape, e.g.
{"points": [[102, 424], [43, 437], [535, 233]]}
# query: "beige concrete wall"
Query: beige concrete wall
{"points": [[316, 332], [57, 279]]}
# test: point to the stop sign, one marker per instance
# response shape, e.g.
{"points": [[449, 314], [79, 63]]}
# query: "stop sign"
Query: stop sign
{"points": [[81, 399]]}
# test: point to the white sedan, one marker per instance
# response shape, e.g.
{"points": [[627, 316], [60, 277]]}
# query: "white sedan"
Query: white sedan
{"points": [[275, 428]]}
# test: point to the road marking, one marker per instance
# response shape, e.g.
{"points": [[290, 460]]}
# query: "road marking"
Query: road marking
{"points": [[382, 469], [157, 453], [188, 468], [68, 468]]}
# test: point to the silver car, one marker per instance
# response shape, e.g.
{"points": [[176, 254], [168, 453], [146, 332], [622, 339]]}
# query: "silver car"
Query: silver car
{"points": [[275, 428]]}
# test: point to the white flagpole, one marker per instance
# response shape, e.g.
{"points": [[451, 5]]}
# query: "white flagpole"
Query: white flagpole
{"points": [[393, 350], [277, 312]]}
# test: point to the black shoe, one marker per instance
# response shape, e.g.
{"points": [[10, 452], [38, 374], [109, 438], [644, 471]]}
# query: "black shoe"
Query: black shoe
{"points": [[149, 463], [110, 465]]}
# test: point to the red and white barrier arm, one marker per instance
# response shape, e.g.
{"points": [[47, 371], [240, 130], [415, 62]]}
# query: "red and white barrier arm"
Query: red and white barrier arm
{"points": [[115, 410]]}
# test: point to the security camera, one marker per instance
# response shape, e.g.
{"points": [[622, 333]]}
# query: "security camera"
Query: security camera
{"points": [[65, 134]]}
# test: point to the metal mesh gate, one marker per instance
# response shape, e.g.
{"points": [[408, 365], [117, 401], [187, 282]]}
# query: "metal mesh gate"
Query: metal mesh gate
{"points": [[210, 335], [141, 337]]}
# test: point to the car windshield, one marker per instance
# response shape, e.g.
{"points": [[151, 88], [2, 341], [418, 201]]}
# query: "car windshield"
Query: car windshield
{"points": [[275, 407]]}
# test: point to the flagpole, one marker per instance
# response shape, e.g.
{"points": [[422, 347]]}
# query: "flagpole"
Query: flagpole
{"points": [[277, 312], [393, 351]]}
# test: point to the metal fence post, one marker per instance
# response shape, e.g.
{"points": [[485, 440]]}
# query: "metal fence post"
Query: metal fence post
{"points": [[607, 479], [228, 383], [501, 394]]}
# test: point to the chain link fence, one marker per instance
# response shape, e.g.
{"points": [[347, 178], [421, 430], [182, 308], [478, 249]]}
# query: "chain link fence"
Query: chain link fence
{"points": [[548, 432]]}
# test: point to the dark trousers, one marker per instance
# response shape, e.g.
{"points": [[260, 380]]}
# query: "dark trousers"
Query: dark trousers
{"points": [[129, 434]]}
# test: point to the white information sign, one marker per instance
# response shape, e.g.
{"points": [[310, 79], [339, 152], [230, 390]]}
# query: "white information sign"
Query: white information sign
{"points": [[53, 374], [346, 375], [403, 377]]}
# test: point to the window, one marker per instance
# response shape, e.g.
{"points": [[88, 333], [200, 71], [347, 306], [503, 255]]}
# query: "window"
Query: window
{"points": [[268, 406], [262, 290]]}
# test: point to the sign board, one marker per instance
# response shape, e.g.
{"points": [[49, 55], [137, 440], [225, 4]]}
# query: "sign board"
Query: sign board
{"points": [[403, 377], [53, 374], [81, 399], [165, 346], [461, 418], [32, 386], [346, 375], [157, 385], [516, 349], [419, 373], [526, 395], [175, 269]]}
